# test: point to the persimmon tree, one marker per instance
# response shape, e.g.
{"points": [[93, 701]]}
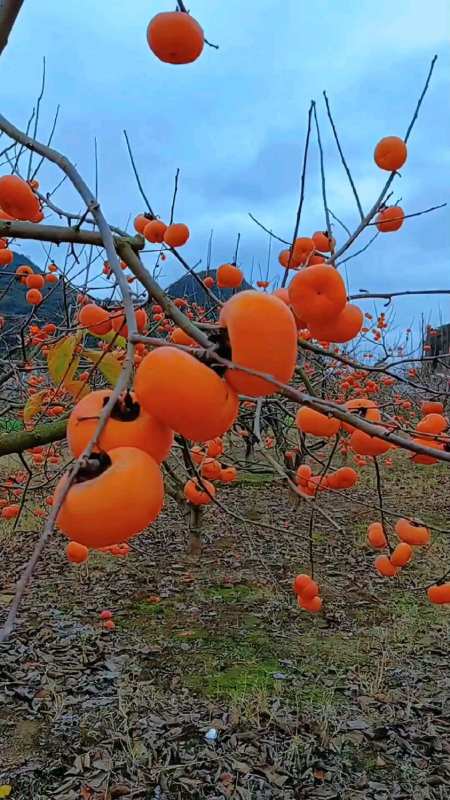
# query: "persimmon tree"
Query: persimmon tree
{"points": [[114, 394]]}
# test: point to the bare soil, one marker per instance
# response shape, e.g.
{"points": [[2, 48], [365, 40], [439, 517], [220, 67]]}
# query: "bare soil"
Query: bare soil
{"points": [[352, 703]]}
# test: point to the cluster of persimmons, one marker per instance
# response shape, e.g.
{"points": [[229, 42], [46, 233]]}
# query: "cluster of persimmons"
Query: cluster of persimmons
{"points": [[118, 490]]}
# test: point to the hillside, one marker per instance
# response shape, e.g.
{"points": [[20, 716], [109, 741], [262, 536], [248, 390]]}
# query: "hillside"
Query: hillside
{"points": [[187, 287], [12, 295]]}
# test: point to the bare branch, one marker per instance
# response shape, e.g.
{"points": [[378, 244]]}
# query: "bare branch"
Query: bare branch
{"points": [[344, 162]]}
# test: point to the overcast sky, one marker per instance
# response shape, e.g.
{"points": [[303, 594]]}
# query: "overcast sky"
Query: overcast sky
{"points": [[234, 122]]}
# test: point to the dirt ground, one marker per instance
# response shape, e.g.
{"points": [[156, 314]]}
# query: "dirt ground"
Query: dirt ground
{"points": [[353, 703]]}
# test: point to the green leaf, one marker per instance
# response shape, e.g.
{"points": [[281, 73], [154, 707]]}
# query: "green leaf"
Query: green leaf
{"points": [[32, 407], [62, 363], [108, 364]]}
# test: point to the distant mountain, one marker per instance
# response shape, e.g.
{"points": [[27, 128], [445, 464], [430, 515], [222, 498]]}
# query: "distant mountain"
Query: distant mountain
{"points": [[13, 305], [189, 288], [60, 298]]}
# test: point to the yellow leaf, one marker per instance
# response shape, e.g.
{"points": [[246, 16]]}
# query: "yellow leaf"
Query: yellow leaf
{"points": [[77, 389], [107, 363], [5, 790], [62, 363], [32, 407]]}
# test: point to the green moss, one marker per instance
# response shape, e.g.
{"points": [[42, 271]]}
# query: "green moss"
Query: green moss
{"points": [[255, 477], [242, 679]]}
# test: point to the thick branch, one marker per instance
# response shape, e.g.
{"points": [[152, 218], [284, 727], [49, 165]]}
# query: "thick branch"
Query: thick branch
{"points": [[60, 235], [18, 441], [9, 10]]}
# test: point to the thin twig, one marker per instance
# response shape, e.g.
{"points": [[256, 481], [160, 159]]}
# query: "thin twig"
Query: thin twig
{"points": [[343, 159], [136, 175]]}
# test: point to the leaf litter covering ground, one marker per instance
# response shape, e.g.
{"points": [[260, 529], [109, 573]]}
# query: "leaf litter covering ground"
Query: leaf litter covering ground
{"points": [[353, 703]]}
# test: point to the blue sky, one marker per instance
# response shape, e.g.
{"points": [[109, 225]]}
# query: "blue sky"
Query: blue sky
{"points": [[234, 122]]}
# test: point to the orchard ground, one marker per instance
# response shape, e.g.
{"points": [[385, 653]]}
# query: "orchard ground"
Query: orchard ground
{"points": [[350, 703]]}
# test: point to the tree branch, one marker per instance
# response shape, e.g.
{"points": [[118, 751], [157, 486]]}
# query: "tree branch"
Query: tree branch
{"points": [[9, 10], [18, 441]]}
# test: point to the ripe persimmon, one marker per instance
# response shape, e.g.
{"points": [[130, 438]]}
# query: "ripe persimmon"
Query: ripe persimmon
{"points": [[439, 593], [141, 318], [17, 198], [178, 336], [11, 511], [390, 219], [128, 426], [197, 495], [228, 474], [323, 242], [184, 394], [77, 553], [342, 478], [105, 614], [140, 222], [208, 281], [34, 297], [303, 474], [432, 407], [423, 458], [309, 590], [412, 533], [282, 294], [34, 282], [114, 505], [376, 536], [432, 423], [303, 248], [229, 276], [366, 445], [342, 328], [301, 582], [176, 234], [6, 257], [154, 231], [214, 448], [211, 469], [289, 260], [263, 337], [95, 318], [383, 565], [310, 421], [313, 604], [401, 555], [390, 153], [175, 37], [364, 408], [318, 294]]}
